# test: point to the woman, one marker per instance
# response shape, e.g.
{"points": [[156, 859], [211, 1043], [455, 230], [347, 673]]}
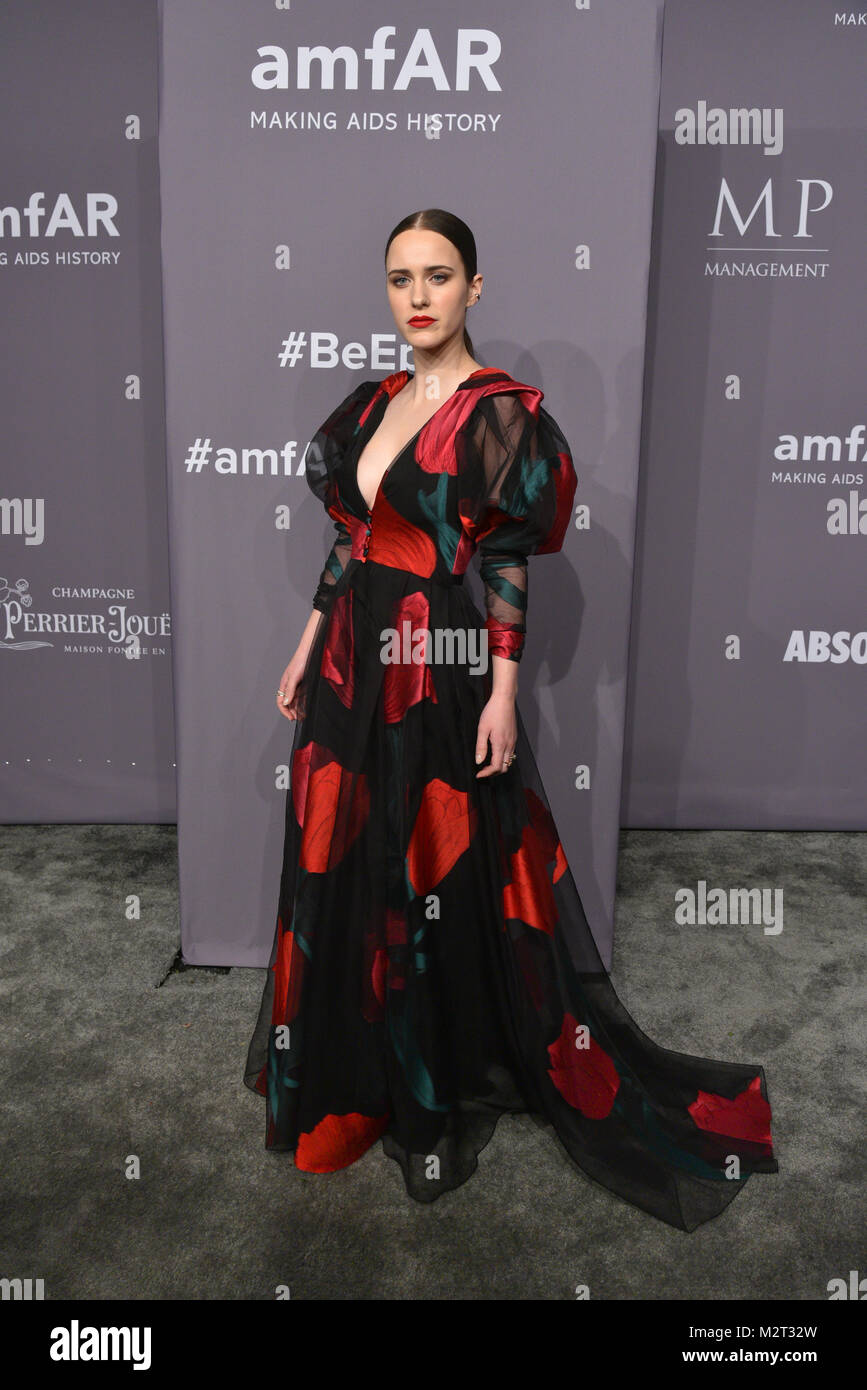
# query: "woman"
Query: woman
{"points": [[432, 966]]}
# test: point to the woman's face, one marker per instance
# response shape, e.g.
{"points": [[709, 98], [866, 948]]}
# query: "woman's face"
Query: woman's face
{"points": [[426, 278]]}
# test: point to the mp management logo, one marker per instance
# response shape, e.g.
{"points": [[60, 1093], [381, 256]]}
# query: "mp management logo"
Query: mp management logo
{"points": [[109, 626], [758, 227], [466, 63]]}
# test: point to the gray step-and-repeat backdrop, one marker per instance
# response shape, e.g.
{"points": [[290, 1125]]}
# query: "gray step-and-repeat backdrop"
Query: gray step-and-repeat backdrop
{"points": [[749, 630], [292, 139], [85, 614], [743, 613]]}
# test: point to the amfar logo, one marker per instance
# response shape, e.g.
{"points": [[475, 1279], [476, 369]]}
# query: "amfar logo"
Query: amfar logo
{"points": [[422, 63], [795, 448], [740, 125], [100, 209]]}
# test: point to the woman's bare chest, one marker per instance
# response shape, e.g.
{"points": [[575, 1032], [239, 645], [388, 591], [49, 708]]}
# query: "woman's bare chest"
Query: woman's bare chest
{"points": [[398, 428]]}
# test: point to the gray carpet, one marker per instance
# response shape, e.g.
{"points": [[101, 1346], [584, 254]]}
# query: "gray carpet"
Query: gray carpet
{"points": [[101, 1062]]}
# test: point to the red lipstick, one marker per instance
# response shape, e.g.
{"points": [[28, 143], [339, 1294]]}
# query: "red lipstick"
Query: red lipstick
{"points": [[421, 321]]}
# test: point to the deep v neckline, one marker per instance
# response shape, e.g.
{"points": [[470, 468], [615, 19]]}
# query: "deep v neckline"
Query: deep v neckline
{"points": [[364, 442]]}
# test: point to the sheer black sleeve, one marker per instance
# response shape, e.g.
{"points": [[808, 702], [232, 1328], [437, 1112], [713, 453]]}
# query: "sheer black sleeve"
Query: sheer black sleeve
{"points": [[338, 559], [323, 458], [529, 484]]}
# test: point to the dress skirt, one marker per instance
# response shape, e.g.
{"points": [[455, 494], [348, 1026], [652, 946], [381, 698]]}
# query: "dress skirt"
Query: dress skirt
{"points": [[432, 965]]}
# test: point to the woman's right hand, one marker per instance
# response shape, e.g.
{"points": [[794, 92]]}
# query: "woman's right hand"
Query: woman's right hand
{"points": [[290, 699]]}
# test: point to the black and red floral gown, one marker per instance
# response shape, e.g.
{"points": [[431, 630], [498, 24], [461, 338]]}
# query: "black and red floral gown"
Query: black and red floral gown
{"points": [[432, 965]]}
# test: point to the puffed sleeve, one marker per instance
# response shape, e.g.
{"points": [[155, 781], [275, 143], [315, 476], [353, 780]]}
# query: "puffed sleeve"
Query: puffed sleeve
{"points": [[323, 458], [530, 483]]}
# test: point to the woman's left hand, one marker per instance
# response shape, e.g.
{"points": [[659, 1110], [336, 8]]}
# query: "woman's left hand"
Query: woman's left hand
{"points": [[499, 727]]}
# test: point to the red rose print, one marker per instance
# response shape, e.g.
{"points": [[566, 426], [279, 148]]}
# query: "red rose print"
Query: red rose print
{"points": [[288, 972], [331, 805], [529, 896], [337, 1141], [443, 830], [585, 1076], [748, 1116], [408, 682], [338, 657], [395, 541]]}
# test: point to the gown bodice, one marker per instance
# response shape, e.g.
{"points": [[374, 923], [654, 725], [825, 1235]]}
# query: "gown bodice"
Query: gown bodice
{"points": [[490, 471]]}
